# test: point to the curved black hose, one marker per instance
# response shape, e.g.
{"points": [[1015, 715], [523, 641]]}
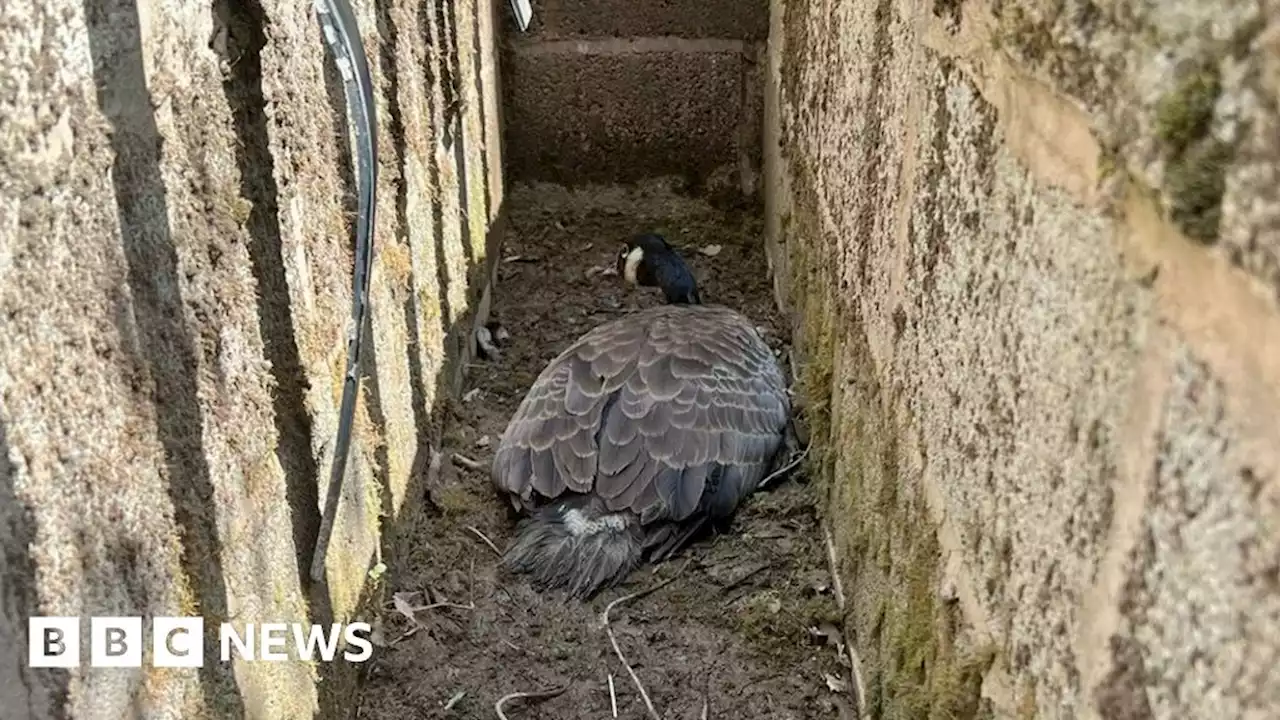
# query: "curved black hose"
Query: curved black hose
{"points": [[342, 33]]}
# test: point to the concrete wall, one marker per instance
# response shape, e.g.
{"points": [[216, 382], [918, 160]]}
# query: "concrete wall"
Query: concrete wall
{"points": [[617, 91], [1033, 253], [175, 258]]}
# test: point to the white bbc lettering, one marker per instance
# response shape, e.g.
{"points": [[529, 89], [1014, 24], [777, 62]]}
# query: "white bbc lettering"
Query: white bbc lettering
{"points": [[309, 642], [177, 642], [53, 642], [244, 644], [361, 642], [271, 641], [115, 642], [306, 646]]}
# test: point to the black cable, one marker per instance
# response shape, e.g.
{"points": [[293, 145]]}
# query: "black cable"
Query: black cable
{"points": [[342, 33]]}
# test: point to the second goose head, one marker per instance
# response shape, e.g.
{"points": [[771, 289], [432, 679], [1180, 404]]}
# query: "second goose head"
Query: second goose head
{"points": [[648, 261]]}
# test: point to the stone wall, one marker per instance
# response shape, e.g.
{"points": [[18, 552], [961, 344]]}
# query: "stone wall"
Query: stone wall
{"points": [[1032, 253], [176, 205], [618, 91]]}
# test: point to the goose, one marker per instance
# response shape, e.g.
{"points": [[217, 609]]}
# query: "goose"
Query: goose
{"points": [[645, 430]]}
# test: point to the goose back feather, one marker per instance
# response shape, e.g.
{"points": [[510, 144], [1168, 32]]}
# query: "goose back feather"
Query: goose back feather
{"points": [[664, 418]]}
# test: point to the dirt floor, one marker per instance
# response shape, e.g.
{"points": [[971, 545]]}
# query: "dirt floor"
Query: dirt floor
{"points": [[745, 631]]}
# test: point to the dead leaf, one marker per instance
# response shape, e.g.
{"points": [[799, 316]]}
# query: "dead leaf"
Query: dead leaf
{"points": [[601, 270], [711, 250], [835, 684], [404, 605]]}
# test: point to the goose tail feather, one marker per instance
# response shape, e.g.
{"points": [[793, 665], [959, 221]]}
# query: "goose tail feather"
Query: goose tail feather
{"points": [[576, 544]]}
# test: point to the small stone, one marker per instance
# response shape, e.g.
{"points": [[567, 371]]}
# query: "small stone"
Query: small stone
{"points": [[825, 634]]}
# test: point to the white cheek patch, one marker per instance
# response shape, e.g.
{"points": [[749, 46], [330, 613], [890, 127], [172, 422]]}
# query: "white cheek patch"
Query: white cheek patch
{"points": [[633, 263]]}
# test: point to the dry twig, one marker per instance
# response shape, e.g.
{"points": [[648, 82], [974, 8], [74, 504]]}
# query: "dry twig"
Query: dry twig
{"points": [[535, 695], [471, 583], [487, 541], [745, 577], [837, 587], [613, 640], [855, 662], [405, 636], [401, 603], [613, 696], [457, 698], [784, 469], [466, 462], [437, 605]]}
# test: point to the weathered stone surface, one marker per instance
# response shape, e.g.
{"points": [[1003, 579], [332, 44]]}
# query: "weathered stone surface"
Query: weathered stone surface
{"points": [[623, 91], [1028, 356], [737, 19], [175, 269], [621, 111], [1183, 97]]}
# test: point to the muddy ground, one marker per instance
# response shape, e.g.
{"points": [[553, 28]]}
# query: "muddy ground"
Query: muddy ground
{"points": [[732, 634]]}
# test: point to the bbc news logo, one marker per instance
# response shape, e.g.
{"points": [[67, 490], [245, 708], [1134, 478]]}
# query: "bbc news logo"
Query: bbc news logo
{"points": [[178, 642]]}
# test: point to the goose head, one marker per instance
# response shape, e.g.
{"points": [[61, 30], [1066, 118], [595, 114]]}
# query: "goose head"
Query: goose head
{"points": [[648, 261]]}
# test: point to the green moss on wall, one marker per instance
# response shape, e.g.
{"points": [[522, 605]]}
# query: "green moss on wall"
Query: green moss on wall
{"points": [[1195, 183], [1195, 162], [915, 664], [811, 295], [1185, 114]]}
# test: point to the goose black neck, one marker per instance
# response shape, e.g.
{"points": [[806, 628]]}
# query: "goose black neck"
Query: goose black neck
{"points": [[673, 277]]}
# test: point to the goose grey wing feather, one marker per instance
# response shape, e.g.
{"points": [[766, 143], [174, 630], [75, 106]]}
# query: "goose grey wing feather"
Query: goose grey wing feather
{"points": [[660, 412], [550, 443], [706, 405]]}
